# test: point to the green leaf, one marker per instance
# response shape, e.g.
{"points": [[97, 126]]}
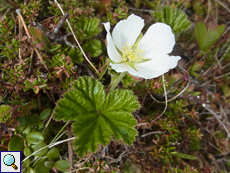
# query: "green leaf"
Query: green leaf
{"points": [[62, 165], [197, 66], [123, 100], [99, 117], [46, 41], [39, 146], [41, 168], [186, 156], [76, 55], [49, 164], [5, 113], [221, 29], [212, 36], [174, 17], [53, 153], [30, 170], [87, 28], [23, 124], [93, 47], [55, 48], [35, 137], [16, 144], [45, 113], [27, 163], [126, 80], [206, 37], [86, 96], [26, 130], [201, 33], [27, 151]]}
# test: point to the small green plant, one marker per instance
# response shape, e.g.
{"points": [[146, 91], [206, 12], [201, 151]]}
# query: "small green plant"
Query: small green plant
{"points": [[189, 169], [206, 37], [98, 116], [31, 141], [5, 113], [174, 17]]}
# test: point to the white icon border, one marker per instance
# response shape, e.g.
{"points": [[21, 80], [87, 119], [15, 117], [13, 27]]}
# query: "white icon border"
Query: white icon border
{"points": [[3, 167]]}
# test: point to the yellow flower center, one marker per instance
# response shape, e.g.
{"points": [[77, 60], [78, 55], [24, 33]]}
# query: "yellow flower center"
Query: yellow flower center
{"points": [[133, 54]]}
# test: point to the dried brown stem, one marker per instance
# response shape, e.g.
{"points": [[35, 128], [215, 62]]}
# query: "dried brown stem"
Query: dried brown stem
{"points": [[28, 34]]}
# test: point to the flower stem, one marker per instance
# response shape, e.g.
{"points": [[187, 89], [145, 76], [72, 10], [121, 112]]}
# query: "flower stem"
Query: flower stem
{"points": [[115, 82]]}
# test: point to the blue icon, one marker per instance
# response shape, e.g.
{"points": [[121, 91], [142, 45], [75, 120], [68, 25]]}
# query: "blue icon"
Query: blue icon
{"points": [[9, 160]]}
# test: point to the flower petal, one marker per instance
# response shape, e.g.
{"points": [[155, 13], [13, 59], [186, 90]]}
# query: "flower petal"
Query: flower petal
{"points": [[121, 67], [127, 31], [158, 40], [156, 67], [111, 49]]}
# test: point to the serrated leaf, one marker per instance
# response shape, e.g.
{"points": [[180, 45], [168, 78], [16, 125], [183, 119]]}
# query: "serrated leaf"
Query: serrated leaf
{"points": [[87, 96], [120, 100], [76, 55], [99, 117], [16, 144], [175, 18], [5, 113], [93, 47], [87, 27]]}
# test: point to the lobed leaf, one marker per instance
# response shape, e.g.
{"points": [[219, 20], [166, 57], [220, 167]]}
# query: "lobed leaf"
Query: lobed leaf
{"points": [[175, 18], [87, 28], [93, 46], [97, 117], [5, 113]]}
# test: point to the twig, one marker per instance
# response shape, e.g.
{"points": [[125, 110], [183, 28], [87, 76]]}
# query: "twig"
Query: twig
{"points": [[222, 4], [49, 146], [212, 112], [76, 37], [3, 16], [166, 100], [83, 162], [20, 38], [209, 9], [60, 23], [150, 133], [189, 81], [28, 34]]}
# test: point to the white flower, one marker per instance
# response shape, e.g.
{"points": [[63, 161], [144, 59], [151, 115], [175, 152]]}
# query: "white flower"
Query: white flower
{"points": [[147, 58]]}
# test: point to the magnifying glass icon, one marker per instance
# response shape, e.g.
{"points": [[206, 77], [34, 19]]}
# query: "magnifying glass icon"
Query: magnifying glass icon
{"points": [[9, 160]]}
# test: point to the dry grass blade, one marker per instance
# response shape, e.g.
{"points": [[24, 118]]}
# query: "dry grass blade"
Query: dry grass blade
{"points": [[28, 34], [76, 38]]}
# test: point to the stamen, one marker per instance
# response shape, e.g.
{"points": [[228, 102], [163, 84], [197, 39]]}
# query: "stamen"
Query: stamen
{"points": [[132, 53]]}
